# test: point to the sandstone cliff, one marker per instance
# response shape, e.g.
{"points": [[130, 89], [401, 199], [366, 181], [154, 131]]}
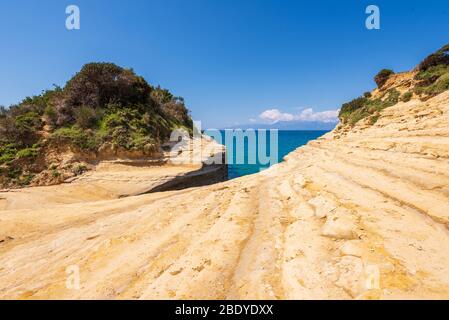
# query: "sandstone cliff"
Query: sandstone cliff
{"points": [[362, 212]]}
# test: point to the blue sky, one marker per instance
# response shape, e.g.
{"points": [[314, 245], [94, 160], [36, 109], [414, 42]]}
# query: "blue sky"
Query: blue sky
{"points": [[230, 59]]}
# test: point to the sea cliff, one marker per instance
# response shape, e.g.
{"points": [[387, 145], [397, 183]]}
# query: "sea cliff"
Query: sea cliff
{"points": [[360, 213]]}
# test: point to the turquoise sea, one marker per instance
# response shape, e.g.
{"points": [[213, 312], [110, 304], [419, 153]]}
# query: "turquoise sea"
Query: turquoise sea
{"points": [[287, 142]]}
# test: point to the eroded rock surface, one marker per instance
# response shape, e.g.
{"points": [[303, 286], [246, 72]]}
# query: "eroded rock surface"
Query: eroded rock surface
{"points": [[361, 213]]}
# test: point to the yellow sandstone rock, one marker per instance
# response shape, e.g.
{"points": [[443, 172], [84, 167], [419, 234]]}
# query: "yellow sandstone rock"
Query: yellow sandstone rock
{"points": [[362, 213]]}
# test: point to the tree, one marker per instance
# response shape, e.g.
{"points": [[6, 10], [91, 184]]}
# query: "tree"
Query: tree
{"points": [[98, 84], [382, 77]]}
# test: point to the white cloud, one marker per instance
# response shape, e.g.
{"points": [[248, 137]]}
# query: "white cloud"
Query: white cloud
{"points": [[275, 115], [323, 116]]}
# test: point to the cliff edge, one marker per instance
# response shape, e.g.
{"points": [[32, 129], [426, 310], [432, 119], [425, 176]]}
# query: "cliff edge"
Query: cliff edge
{"points": [[361, 213]]}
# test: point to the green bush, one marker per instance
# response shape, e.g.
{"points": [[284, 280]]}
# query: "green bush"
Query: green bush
{"points": [[361, 108], [431, 75], [373, 119], [441, 85], [350, 107], [382, 77], [172, 106], [441, 57], [392, 98], [30, 121], [79, 169], [407, 96], [78, 137], [25, 179], [24, 129], [28, 153], [51, 115], [432, 79], [121, 118], [6, 158], [161, 96], [14, 173], [8, 152], [55, 173], [86, 117], [40, 102], [98, 84], [102, 103]]}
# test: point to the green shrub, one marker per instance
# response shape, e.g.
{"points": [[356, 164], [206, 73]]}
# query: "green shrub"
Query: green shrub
{"points": [[25, 179], [23, 128], [161, 96], [29, 153], [382, 77], [361, 108], [172, 106], [431, 75], [51, 115], [373, 119], [6, 158], [28, 121], [55, 173], [350, 107], [441, 85], [14, 173], [357, 115], [98, 84], [86, 117], [8, 152], [78, 137], [139, 141], [441, 57], [79, 169], [392, 98], [407, 96], [40, 102], [121, 118], [101, 103]]}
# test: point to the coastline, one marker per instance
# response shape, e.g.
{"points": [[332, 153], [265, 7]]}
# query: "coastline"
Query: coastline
{"points": [[360, 213]]}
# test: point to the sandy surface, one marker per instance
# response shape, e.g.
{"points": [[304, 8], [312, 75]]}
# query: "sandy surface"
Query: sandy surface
{"points": [[362, 214], [108, 181]]}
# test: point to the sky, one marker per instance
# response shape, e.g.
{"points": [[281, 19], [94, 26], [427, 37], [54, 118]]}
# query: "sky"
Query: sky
{"points": [[234, 61]]}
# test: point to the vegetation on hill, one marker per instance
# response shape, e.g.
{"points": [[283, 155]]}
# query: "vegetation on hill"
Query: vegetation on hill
{"points": [[102, 104], [433, 74], [382, 77], [431, 79], [363, 107]]}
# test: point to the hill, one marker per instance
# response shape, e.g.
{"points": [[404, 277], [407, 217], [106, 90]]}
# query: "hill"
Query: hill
{"points": [[103, 112], [427, 80], [360, 213]]}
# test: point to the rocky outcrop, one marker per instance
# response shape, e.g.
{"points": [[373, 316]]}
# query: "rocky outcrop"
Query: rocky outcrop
{"points": [[361, 213], [123, 176]]}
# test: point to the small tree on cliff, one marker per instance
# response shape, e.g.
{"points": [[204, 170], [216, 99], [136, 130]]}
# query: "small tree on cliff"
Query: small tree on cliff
{"points": [[382, 77]]}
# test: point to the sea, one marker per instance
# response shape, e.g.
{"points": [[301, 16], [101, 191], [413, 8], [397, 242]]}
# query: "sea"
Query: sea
{"points": [[251, 161]]}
